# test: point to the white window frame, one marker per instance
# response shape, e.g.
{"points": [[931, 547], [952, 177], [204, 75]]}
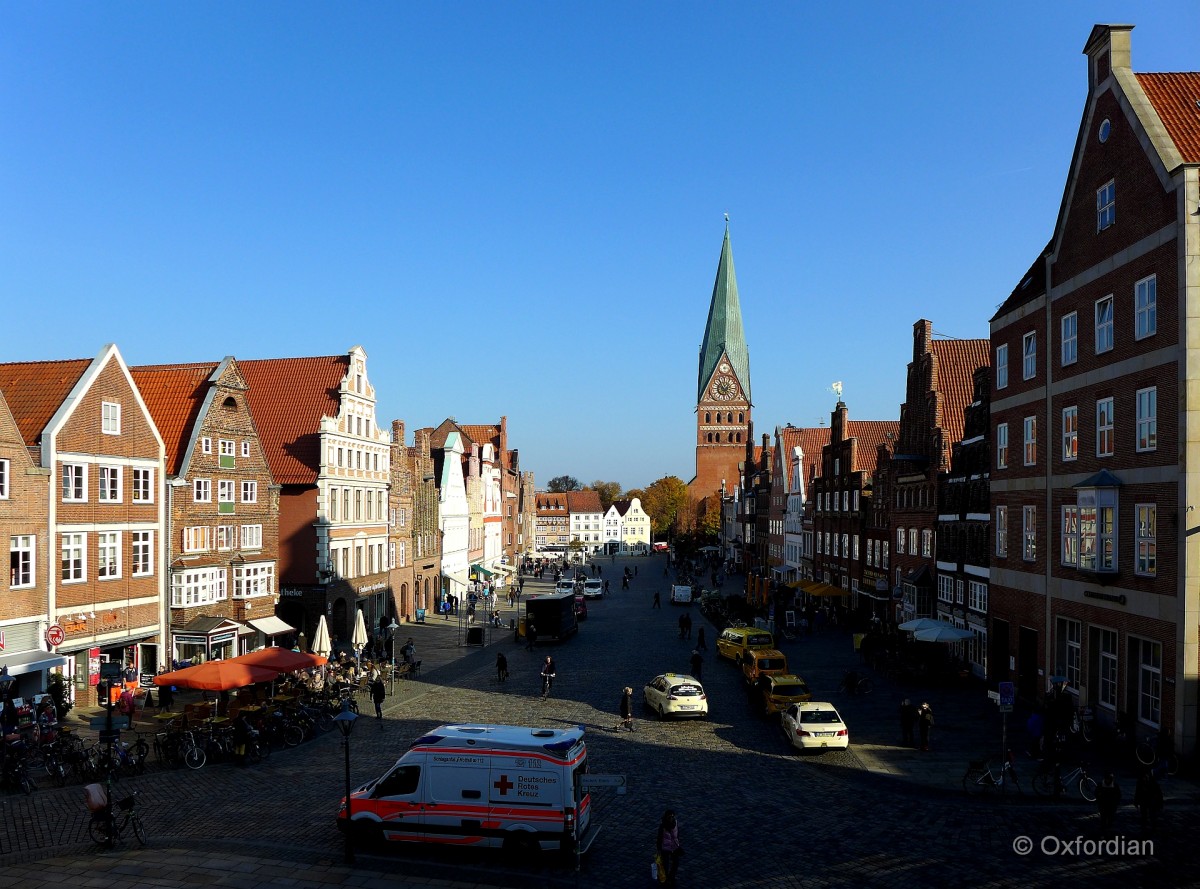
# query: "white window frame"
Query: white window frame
{"points": [[1107, 675], [226, 489], [142, 553], [1146, 424], [5, 475], [1149, 680], [1069, 536], [108, 555], [1145, 307], [926, 543], [1070, 433], [1106, 205], [110, 418], [1145, 539], [1029, 447], [977, 596], [141, 488], [1069, 326], [1105, 337], [251, 537], [1029, 355], [245, 449], [108, 484], [946, 589], [1105, 427], [74, 554], [914, 538], [202, 490], [199, 586], [227, 538], [76, 475], [1068, 638], [249, 492], [197, 539], [900, 541], [206, 445], [1002, 366], [254, 580], [1002, 446], [22, 561], [1029, 533]]}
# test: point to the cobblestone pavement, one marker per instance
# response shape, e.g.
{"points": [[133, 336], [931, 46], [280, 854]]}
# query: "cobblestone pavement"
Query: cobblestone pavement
{"points": [[752, 813]]}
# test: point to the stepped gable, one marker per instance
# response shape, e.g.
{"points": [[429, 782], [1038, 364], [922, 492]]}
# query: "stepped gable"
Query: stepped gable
{"points": [[871, 434], [810, 439], [288, 397], [35, 390], [174, 395]]}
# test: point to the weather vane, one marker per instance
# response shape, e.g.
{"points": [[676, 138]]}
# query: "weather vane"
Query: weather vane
{"points": [[726, 216], [836, 389]]}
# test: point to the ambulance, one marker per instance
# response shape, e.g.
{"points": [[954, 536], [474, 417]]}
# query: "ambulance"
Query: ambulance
{"points": [[506, 786]]}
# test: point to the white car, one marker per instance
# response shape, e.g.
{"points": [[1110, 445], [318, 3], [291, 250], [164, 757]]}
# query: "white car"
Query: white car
{"points": [[593, 588], [675, 694], [565, 586], [814, 725]]}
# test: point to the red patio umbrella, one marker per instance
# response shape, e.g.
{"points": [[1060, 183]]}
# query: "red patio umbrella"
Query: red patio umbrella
{"points": [[281, 660], [217, 676]]}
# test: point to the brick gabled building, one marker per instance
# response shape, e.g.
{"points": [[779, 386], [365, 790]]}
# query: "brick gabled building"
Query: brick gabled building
{"points": [[416, 533], [24, 523], [1096, 557], [330, 458], [964, 527], [938, 389], [222, 511], [797, 458], [842, 496], [553, 520], [85, 422]]}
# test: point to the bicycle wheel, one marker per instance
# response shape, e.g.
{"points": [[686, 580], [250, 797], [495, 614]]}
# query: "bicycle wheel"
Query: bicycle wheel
{"points": [[27, 785], [324, 722], [1045, 784], [293, 735], [1145, 753], [138, 754], [55, 770], [194, 758], [263, 748], [1172, 764], [1087, 788], [139, 829], [354, 706], [98, 828], [865, 687]]}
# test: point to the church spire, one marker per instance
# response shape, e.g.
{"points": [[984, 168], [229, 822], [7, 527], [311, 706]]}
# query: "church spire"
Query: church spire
{"points": [[723, 333]]}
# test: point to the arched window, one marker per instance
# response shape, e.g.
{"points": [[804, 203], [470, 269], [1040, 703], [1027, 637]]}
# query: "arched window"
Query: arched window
{"points": [[739, 436], [729, 417], [707, 416], [230, 403], [710, 438], [741, 417]]}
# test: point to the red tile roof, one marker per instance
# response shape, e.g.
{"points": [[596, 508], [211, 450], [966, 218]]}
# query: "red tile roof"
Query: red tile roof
{"points": [[483, 434], [956, 363], [584, 501], [34, 390], [871, 434], [288, 397], [1175, 98], [551, 502], [174, 394], [810, 439]]}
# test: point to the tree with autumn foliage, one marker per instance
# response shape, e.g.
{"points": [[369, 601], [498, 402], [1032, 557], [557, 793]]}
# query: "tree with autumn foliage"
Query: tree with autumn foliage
{"points": [[667, 502], [608, 491]]}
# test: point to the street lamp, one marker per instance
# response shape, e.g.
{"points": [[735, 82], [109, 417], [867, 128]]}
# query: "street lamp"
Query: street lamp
{"points": [[392, 628], [345, 723]]}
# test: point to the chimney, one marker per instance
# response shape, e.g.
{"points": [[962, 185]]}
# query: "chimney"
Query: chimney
{"points": [[1107, 48], [922, 338], [837, 423], [398, 431]]}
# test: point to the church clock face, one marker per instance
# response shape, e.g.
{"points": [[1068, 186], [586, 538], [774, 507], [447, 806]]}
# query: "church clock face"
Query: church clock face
{"points": [[723, 388]]}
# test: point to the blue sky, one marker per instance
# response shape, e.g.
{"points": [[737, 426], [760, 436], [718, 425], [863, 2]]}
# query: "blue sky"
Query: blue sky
{"points": [[517, 208]]}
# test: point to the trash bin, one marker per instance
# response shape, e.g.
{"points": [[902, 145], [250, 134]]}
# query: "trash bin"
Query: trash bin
{"points": [[474, 635]]}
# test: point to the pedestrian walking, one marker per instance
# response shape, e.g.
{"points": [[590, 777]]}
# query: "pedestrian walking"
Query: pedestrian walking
{"points": [[635, 570], [1148, 798], [925, 723], [697, 663], [501, 667], [625, 709], [548, 674], [908, 719], [657, 600], [606, 586], [668, 848], [687, 625], [166, 698], [1108, 800], [377, 689], [530, 636], [700, 643]]}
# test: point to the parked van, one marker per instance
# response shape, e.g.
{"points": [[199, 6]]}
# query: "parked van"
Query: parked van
{"points": [[506, 786], [734, 642], [759, 662]]}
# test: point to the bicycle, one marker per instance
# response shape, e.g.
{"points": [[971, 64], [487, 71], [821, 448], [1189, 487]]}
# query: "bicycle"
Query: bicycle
{"points": [[980, 777], [1158, 753], [98, 827], [547, 684], [855, 684], [1050, 782]]}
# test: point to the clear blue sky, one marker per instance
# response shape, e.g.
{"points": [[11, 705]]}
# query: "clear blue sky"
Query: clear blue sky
{"points": [[517, 208]]}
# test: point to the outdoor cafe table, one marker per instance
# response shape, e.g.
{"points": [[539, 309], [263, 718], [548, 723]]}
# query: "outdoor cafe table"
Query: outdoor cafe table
{"points": [[165, 717]]}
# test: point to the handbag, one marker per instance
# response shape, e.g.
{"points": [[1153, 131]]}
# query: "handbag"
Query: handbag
{"points": [[660, 868]]}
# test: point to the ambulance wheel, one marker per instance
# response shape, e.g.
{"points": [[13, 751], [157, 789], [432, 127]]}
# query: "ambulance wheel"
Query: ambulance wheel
{"points": [[368, 833], [520, 846]]}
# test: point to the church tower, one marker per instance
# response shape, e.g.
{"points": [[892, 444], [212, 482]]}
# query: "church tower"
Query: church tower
{"points": [[722, 388]]}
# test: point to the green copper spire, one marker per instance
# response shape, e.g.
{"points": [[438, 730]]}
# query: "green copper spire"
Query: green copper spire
{"points": [[723, 332]]}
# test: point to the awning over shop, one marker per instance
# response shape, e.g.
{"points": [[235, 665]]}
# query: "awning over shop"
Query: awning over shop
{"points": [[271, 625], [31, 661], [816, 588], [480, 571], [459, 577], [504, 569]]}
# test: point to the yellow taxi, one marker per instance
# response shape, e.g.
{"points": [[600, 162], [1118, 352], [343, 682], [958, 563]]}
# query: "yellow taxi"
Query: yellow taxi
{"points": [[758, 663], [734, 642], [779, 692]]}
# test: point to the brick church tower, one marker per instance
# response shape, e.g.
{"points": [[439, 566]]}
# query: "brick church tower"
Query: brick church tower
{"points": [[723, 387]]}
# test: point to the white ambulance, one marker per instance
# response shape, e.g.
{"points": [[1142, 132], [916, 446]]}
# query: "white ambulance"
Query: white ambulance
{"points": [[506, 786]]}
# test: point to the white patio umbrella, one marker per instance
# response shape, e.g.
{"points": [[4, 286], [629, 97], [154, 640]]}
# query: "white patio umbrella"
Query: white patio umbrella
{"points": [[921, 623], [943, 633], [359, 640], [321, 644]]}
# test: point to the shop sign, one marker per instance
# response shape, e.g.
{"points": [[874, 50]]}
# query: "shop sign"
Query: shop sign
{"points": [[372, 587], [290, 592], [55, 636], [93, 666]]}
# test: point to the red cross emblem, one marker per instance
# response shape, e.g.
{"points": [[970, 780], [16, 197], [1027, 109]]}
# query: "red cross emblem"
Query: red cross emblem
{"points": [[503, 785]]}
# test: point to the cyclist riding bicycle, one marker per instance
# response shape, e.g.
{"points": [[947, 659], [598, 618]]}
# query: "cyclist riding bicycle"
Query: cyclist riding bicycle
{"points": [[548, 673]]}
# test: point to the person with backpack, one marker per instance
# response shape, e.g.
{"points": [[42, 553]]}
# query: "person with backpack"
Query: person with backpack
{"points": [[377, 689]]}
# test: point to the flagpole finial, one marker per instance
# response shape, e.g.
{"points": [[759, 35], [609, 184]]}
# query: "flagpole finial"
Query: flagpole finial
{"points": [[727, 218]]}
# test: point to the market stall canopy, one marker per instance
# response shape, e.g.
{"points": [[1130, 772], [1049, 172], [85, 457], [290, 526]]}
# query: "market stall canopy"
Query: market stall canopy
{"points": [[920, 623], [271, 625], [817, 588], [943, 633], [217, 676], [281, 660]]}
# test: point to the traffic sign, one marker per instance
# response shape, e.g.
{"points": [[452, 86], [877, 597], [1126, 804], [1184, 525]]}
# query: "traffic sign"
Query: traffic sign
{"points": [[590, 781], [994, 696], [55, 635], [1008, 697]]}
